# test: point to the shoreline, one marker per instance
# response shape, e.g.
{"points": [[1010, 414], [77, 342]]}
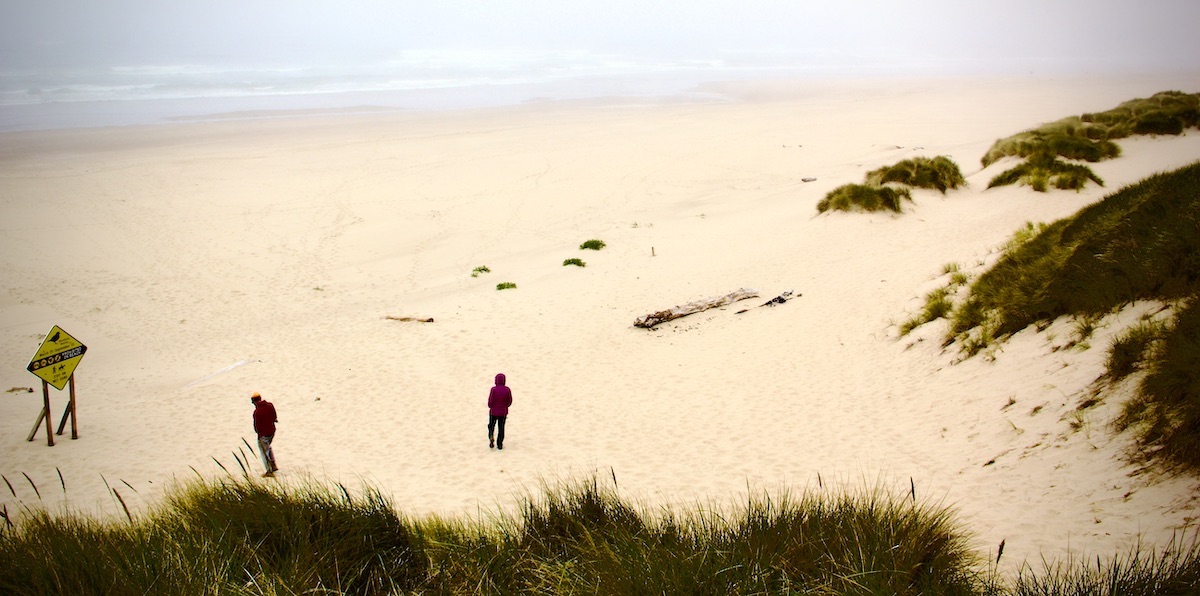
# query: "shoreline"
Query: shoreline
{"points": [[174, 250], [623, 91]]}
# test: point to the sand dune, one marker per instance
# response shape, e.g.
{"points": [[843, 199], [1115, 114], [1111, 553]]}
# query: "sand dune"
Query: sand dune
{"points": [[202, 262]]}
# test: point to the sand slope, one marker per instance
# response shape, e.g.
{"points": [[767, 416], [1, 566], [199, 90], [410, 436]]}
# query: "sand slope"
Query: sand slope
{"points": [[203, 262]]}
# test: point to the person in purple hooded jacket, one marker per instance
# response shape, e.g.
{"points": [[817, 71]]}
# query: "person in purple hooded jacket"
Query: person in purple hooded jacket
{"points": [[499, 400]]}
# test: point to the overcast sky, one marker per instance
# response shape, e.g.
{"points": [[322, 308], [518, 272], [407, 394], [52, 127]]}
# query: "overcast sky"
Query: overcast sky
{"points": [[1086, 35]]}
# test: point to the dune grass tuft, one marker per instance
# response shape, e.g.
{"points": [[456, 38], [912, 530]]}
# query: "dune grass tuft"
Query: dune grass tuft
{"points": [[939, 173], [574, 261], [1175, 570], [863, 197], [888, 187], [1133, 348], [1042, 171], [506, 285], [592, 244], [480, 269]]}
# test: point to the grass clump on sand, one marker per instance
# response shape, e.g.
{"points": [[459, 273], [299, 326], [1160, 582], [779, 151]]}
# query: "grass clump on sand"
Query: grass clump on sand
{"points": [[506, 285], [1138, 244], [251, 537], [1043, 171], [592, 244], [480, 269], [575, 262], [863, 197], [939, 302], [939, 173], [1089, 138], [886, 188]]}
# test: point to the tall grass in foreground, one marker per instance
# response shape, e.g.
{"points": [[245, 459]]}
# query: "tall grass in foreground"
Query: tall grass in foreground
{"points": [[251, 537], [1175, 571], [235, 536]]}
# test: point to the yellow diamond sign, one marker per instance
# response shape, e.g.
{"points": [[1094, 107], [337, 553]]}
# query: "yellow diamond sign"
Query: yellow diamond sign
{"points": [[56, 360]]}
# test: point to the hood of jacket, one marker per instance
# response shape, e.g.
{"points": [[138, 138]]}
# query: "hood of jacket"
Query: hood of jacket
{"points": [[500, 379]]}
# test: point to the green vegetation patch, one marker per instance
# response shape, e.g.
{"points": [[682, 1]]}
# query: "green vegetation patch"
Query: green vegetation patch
{"points": [[1139, 243], [249, 537], [506, 285], [575, 262], [939, 173], [1043, 171], [863, 197], [886, 188], [592, 244], [220, 537], [480, 269], [1165, 415], [1089, 138]]}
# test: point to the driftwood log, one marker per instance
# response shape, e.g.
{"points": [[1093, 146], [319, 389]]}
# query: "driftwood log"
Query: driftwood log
{"points": [[662, 316], [410, 319]]}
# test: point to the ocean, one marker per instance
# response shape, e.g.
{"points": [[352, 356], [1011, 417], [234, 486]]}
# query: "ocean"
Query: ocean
{"points": [[425, 80]]}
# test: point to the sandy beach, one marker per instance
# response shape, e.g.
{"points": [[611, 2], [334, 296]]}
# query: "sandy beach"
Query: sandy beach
{"points": [[203, 261]]}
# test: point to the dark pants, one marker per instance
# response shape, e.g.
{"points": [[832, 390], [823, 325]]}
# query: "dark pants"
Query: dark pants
{"points": [[492, 420]]}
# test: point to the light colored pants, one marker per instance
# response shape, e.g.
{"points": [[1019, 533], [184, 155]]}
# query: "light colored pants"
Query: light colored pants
{"points": [[268, 456]]}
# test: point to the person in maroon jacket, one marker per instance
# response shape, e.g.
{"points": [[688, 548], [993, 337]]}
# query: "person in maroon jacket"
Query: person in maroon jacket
{"points": [[264, 427], [499, 400]]}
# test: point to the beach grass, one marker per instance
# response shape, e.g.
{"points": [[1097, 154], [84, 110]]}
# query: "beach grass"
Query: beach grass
{"points": [[574, 261], [1088, 138], [227, 536], [864, 197], [1131, 349], [1040, 172], [886, 188], [1137, 244], [506, 285], [1174, 570], [938, 173], [246, 536], [592, 244]]}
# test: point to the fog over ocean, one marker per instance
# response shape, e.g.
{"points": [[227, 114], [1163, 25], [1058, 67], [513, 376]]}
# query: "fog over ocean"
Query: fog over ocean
{"points": [[65, 63], [425, 80]]}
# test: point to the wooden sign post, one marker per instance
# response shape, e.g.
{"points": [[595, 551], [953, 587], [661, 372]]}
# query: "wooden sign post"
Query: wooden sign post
{"points": [[54, 363]]}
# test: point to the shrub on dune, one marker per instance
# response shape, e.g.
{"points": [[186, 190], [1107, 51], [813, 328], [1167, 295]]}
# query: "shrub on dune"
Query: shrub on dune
{"points": [[1067, 140], [864, 197], [1043, 171], [939, 173], [1089, 138]]}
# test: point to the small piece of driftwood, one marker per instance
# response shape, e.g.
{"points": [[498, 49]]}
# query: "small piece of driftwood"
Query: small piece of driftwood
{"points": [[662, 316], [780, 299], [409, 319]]}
